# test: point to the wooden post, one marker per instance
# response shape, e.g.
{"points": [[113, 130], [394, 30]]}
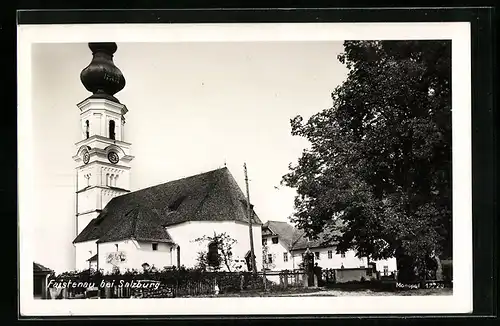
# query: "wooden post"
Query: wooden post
{"points": [[250, 231]]}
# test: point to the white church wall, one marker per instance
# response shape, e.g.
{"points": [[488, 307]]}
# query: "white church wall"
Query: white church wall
{"points": [[135, 254], [127, 247], [185, 233], [160, 258]]}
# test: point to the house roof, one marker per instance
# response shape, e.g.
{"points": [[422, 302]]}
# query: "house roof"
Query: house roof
{"points": [[322, 240], [285, 231], [38, 268], [145, 214], [296, 238], [93, 258]]}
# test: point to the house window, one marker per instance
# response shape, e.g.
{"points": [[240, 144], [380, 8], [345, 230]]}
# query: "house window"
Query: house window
{"points": [[386, 270], [316, 255], [330, 254], [269, 258], [275, 240], [362, 266], [285, 257], [116, 245], [342, 255], [264, 242], [154, 246], [112, 129]]}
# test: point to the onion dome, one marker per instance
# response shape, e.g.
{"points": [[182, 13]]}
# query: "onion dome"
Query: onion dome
{"points": [[101, 76]]}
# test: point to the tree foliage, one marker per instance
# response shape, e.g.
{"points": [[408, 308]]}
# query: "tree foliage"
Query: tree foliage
{"points": [[380, 157], [268, 264]]}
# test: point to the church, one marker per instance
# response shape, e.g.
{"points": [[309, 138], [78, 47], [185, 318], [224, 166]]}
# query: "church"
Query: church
{"points": [[120, 229]]}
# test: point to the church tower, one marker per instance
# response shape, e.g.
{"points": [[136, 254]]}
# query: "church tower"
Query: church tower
{"points": [[102, 155]]}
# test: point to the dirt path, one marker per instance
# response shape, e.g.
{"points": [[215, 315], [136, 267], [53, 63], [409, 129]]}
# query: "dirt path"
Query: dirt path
{"points": [[340, 293]]}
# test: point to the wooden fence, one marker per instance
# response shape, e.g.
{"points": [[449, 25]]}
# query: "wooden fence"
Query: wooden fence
{"points": [[154, 286]]}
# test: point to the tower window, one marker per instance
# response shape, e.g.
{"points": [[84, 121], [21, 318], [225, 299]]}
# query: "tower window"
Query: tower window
{"points": [[112, 129], [87, 129]]}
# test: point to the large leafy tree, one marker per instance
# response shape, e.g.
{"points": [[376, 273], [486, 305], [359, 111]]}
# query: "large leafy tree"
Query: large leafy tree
{"points": [[379, 163]]}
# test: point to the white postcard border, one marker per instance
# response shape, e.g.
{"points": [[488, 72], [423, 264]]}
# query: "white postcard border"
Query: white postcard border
{"points": [[458, 32]]}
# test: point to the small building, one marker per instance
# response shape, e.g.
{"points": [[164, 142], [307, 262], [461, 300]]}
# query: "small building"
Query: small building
{"points": [[286, 244], [40, 277]]}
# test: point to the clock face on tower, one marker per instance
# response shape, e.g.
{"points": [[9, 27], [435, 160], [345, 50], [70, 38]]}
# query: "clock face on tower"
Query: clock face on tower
{"points": [[86, 157], [113, 157]]}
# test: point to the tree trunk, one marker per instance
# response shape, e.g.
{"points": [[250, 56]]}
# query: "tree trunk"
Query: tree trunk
{"points": [[439, 270]]}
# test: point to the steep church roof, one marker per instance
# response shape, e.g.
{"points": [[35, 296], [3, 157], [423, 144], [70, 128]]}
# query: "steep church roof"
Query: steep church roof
{"points": [[144, 214]]}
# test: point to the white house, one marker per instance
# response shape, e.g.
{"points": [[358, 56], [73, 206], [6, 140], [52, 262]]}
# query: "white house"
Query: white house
{"points": [[286, 245], [117, 228], [277, 242]]}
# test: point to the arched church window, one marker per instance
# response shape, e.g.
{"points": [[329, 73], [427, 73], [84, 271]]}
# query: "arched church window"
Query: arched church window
{"points": [[213, 258], [107, 179], [112, 129], [87, 129]]}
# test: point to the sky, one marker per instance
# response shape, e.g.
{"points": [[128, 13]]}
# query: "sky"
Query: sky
{"points": [[193, 107]]}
